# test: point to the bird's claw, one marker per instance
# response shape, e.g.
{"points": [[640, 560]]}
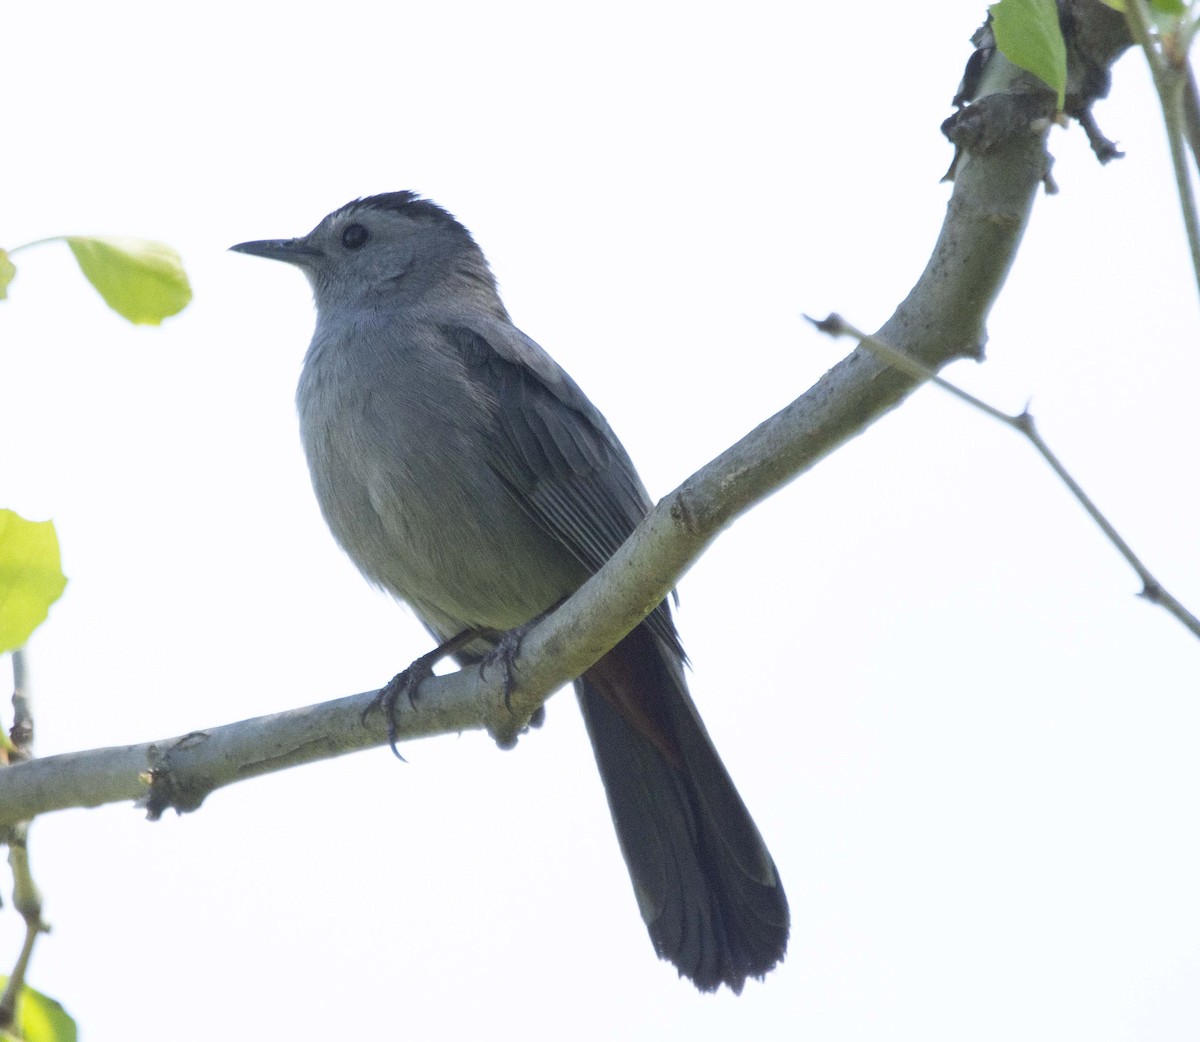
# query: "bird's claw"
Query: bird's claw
{"points": [[404, 684], [504, 654]]}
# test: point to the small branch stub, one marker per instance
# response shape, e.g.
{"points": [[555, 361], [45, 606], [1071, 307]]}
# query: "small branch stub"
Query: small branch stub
{"points": [[168, 788]]}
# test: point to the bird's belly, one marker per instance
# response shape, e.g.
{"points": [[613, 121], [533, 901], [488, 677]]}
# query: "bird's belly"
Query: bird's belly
{"points": [[464, 556]]}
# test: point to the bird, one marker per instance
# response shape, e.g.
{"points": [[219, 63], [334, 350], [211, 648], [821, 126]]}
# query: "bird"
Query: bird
{"points": [[464, 471]]}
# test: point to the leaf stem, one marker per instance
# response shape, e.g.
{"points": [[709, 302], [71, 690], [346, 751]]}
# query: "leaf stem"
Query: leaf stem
{"points": [[37, 242]]}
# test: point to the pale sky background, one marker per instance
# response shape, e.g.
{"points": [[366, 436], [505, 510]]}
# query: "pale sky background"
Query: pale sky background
{"points": [[971, 748]]}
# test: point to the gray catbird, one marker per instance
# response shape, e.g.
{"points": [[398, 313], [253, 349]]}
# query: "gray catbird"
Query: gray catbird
{"points": [[465, 472]]}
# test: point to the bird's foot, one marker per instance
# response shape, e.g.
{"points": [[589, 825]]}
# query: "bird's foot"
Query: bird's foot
{"points": [[406, 683], [504, 654], [403, 685]]}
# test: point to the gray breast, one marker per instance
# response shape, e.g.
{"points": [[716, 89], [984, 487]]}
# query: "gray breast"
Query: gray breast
{"points": [[398, 446]]}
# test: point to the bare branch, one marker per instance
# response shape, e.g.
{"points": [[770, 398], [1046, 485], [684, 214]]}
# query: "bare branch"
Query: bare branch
{"points": [[1001, 162]]}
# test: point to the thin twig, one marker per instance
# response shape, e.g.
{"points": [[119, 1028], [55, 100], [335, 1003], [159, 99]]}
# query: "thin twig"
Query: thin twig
{"points": [[21, 734], [27, 899], [1172, 76], [1191, 115], [1152, 589]]}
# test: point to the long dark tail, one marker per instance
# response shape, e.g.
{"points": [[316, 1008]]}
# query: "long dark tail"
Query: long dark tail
{"points": [[704, 880]]}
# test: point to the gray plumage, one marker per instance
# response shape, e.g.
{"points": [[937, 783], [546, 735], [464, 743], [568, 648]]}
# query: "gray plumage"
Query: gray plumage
{"points": [[465, 472]]}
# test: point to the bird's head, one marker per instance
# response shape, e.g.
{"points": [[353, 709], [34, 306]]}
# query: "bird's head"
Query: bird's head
{"points": [[383, 246]]}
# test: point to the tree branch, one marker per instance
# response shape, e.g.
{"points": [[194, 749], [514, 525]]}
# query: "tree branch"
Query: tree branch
{"points": [[1002, 161]]}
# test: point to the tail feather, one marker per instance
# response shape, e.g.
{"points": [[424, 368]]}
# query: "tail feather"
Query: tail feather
{"points": [[704, 880]]}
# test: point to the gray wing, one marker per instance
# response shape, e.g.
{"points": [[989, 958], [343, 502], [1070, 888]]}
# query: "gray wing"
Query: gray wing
{"points": [[555, 452]]}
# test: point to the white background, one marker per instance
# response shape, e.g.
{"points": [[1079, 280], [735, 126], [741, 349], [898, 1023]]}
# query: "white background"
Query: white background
{"points": [[972, 749]]}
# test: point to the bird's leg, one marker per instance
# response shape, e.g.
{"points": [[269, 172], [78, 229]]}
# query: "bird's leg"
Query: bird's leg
{"points": [[408, 680]]}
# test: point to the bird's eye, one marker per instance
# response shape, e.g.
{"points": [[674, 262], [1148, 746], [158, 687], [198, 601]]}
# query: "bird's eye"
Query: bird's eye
{"points": [[355, 236]]}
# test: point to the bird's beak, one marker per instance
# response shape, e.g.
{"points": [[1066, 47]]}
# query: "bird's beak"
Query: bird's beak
{"points": [[293, 251]]}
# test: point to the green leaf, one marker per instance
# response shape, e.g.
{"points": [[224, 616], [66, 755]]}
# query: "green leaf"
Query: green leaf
{"points": [[41, 1019], [7, 272], [1028, 34], [31, 577], [141, 280], [1174, 8]]}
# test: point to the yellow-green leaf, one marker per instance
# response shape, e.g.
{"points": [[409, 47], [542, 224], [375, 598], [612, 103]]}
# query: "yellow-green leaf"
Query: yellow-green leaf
{"points": [[141, 280], [40, 1018], [31, 577], [7, 271], [1028, 34]]}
